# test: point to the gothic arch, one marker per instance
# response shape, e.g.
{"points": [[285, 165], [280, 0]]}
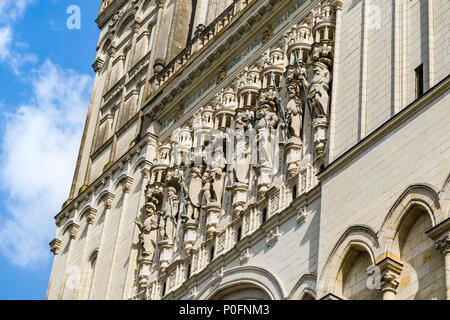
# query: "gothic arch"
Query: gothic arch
{"points": [[143, 10], [86, 210], [104, 197], [445, 198], [123, 22], [423, 197], [358, 237], [244, 277], [306, 286], [67, 226], [103, 44]]}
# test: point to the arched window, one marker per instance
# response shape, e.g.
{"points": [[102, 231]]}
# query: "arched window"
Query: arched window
{"points": [[92, 265], [242, 292]]}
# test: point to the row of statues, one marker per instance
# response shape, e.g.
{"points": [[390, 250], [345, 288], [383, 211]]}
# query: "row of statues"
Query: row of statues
{"points": [[235, 141]]}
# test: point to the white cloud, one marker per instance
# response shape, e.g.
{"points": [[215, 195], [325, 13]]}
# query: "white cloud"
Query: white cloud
{"points": [[10, 10], [5, 42], [39, 150], [9, 53]]}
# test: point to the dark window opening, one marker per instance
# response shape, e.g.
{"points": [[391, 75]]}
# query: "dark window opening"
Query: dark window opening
{"points": [[188, 271], [419, 81], [164, 289], [239, 234], [211, 254], [264, 215], [294, 192]]}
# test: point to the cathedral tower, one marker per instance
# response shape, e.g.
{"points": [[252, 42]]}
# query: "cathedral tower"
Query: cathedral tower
{"points": [[262, 149]]}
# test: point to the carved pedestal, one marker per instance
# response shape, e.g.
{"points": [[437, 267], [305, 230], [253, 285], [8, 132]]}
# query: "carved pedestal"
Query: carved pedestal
{"points": [[144, 273], [320, 126], [239, 191], [166, 250], [212, 219], [264, 180], [293, 156], [190, 234]]}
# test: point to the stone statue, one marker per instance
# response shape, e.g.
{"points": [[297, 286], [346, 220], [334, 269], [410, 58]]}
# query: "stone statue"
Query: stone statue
{"points": [[214, 178], [294, 108], [243, 154], [267, 110], [169, 217], [193, 193], [318, 93], [149, 230]]}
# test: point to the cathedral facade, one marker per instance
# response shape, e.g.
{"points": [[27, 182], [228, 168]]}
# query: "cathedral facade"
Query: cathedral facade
{"points": [[262, 149]]}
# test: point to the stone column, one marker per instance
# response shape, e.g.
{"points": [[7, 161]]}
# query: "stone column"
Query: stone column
{"points": [[443, 245], [390, 271], [441, 236]]}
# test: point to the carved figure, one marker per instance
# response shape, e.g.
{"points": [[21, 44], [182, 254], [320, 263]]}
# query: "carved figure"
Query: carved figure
{"points": [[169, 218], [318, 93], [149, 230], [193, 193], [214, 178]]}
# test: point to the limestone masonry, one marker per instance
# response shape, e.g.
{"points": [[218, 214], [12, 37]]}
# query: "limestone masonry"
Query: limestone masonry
{"points": [[262, 149]]}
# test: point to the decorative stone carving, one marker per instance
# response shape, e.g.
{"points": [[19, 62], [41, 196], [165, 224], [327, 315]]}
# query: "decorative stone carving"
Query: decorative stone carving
{"points": [[273, 236], [149, 230], [214, 178], [190, 235], [55, 246], [98, 65], [302, 215], [193, 293], [245, 256], [213, 212], [126, 184], [165, 254], [318, 93], [90, 214], [73, 231], [390, 272], [169, 218], [193, 193]]}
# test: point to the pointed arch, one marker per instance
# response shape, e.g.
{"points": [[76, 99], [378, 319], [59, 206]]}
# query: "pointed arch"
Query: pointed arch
{"points": [[444, 195], [247, 276], [123, 22], [357, 237], [67, 226], [421, 196], [147, 7], [305, 286], [87, 210]]}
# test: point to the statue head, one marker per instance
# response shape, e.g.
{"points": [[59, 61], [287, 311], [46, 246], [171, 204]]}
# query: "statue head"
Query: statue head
{"points": [[321, 74], [171, 191]]}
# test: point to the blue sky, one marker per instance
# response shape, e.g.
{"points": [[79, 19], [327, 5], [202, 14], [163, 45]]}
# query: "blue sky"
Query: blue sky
{"points": [[45, 84]]}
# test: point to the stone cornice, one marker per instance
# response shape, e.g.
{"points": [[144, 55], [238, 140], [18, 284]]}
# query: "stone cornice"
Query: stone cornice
{"points": [[441, 235], [387, 127], [439, 230], [106, 14]]}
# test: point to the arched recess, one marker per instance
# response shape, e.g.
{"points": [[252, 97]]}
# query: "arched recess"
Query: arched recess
{"points": [[444, 195], [403, 237], [422, 197], [305, 288], [344, 273], [124, 23], [242, 281], [148, 7]]}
